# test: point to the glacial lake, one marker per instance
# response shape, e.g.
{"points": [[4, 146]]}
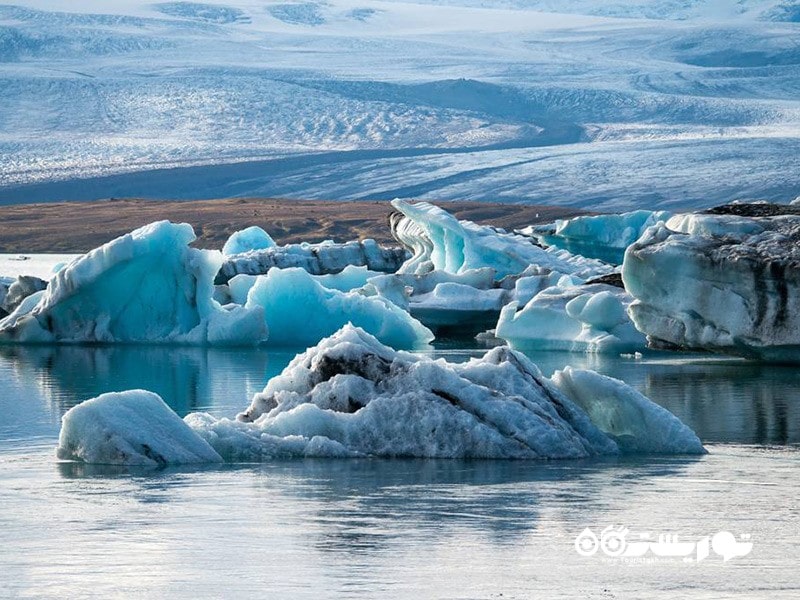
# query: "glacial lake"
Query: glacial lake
{"points": [[324, 528]]}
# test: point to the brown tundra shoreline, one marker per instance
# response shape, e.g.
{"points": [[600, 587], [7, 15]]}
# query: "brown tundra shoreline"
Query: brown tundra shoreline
{"points": [[68, 227]]}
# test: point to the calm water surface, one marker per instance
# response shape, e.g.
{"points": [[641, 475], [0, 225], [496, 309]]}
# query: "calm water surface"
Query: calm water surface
{"points": [[390, 528]]}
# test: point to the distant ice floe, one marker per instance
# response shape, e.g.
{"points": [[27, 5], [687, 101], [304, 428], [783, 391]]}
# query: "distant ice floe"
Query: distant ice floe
{"points": [[299, 311], [604, 237], [317, 259], [726, 282], [247, 240], [352, 396], [581, 318], [439, 241], [460, 274]]}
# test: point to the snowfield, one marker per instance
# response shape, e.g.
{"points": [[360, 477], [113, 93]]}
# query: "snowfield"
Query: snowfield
{"points": [[614, 106]]}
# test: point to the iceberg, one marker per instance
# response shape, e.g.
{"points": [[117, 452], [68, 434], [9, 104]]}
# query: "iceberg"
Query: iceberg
{"points": [[468, 300], [300, 311], [350, 278], [604, 237], [134, 428], [439, 241], [145, 286], [318, 259], [247, 240], [461, 274], [578, 318], [352, 396], [724, 281], [14, 290]]}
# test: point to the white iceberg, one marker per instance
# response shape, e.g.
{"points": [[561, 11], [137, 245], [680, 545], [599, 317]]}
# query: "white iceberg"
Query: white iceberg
{"points": [[317, 259], [439, 241], [468, 300], [721, 282], [146, 286], [352, 396], [299, 311], [604, 237], [130, 428], [247, 240], [582, 318]]}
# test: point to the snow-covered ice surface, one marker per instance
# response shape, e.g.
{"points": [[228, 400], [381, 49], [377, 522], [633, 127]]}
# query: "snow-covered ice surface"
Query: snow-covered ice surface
{"points": [[721, 282], [130, 428], [585, 103], [352, 396]]}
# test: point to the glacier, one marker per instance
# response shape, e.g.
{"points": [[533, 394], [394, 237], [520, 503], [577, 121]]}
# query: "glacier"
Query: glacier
{"points": [[583, 103], [352, 396], [726, 281], [145, 286]]}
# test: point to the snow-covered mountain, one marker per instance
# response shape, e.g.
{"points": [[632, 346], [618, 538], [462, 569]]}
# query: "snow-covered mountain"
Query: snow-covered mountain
{"points": [[611, 105]]}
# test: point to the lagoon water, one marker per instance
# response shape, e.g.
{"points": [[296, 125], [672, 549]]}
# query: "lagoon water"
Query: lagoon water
{"points": [[391, 528]]}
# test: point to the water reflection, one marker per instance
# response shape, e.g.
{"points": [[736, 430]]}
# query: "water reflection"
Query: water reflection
{"points": [[189, 379], [722, 400], [363, 507]]}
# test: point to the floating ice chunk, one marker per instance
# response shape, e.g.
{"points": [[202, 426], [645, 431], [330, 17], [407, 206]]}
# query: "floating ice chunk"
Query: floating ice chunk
{"points": [[721, 282], [372, 400], [130, 428], [633, 421], [452, 305], [299, 311], [146, 286], [440, 241], [352, 396], [246, 240], [14, 291], [583, 318], [318, 259], [468, 300], [604, 237]]}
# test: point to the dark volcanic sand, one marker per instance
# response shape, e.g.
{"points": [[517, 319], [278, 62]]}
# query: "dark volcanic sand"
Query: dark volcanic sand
{"points": [[81, 226]]}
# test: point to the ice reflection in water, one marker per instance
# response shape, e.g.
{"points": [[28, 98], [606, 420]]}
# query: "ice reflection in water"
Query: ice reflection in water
{"points": [[723, 400], [385, 528]]}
